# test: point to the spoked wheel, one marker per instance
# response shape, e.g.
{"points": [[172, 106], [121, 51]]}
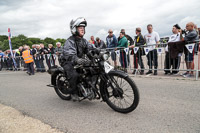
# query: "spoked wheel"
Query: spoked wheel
{"points": [[61, 87], [122, 94]]}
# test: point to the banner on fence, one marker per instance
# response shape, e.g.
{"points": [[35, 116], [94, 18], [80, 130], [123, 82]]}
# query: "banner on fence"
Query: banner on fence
{"points": [[126, 50], [135, 49], [117, 52], [190, 47], [159, 50], [146, 50]]}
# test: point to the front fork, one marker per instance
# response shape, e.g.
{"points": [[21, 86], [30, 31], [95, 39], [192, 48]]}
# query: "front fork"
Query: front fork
{"points": [[117, 90]]}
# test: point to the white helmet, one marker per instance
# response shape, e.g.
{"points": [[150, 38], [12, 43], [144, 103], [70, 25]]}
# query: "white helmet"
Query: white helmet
{"points": [[76, 23]]}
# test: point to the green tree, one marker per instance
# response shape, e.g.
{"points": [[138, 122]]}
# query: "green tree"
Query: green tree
{"points": [[61, 40], [3, 37], [49, 40], [33, 40]]}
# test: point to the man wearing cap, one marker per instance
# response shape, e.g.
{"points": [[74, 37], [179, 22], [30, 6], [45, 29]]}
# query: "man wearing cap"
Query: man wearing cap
{"points": [[175, 63]]}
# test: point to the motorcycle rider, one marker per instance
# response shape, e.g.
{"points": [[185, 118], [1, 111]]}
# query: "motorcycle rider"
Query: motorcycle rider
{"points": [[73, 53]]}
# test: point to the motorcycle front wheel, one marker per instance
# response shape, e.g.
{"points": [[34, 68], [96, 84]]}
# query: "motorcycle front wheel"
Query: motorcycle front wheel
{"points": [[122, 94]]}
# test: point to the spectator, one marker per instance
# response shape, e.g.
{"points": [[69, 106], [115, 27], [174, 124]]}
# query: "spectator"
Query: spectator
{"points": [[189, 57], [123, 42], [129, 39], [152, 38], [174, 62], [51, 60], [33, 50], [16, 57], [28, 59], [37, 58], [6, 59], [111, 42], [58, 49], [100, 43], [196, 47], [92, 41], [130, 42], [9, 60], [1, 59], [43, 50], [139, 41], [20, 54]]}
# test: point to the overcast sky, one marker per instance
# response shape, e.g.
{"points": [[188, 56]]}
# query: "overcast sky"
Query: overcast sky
{"points": [[51, 18]]}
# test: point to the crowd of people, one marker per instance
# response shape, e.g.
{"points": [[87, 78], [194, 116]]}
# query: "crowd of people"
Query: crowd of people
{"points": [[39, 53], [147, 45]]}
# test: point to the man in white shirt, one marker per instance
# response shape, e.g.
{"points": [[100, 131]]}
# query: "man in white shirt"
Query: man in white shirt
{"points": [[152, 38], [175, 63]]}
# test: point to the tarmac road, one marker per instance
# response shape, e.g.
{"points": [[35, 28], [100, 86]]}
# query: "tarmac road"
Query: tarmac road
{"points": [[166, 105]]}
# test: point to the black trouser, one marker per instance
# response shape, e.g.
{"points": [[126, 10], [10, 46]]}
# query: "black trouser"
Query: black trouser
{"points": [[175, 63], [50, 61], [72, 75], [17, 62], [123, 59], [42, 65], [37, 63], [30, 67], [152, 58], [10, 64], [138, 60]]}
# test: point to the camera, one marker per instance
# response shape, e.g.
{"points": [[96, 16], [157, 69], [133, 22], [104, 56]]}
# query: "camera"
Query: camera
{"points": [[184, 31]]}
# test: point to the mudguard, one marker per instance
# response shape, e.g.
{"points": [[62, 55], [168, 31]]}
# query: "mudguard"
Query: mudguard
{"points": [[122, 73], [54, 73]]}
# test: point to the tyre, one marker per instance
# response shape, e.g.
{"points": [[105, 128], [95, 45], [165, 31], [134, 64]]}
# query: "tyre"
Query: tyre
{"points": [[122, 94], [62, 86]]}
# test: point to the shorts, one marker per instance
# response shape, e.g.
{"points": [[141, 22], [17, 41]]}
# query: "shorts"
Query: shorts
{"points": [[113, 55], [189, 57]]}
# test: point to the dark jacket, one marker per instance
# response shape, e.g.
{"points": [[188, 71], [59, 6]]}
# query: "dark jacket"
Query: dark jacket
{"points": [[33, 51], [51, 50], [175, 48], [59, 50], [75, 48], [191, 37], [139, 41], [100, 45], [111, 41], [43, 50]]}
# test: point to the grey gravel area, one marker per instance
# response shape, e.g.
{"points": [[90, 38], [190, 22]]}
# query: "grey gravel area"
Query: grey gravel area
{"points": [[166, 105]]}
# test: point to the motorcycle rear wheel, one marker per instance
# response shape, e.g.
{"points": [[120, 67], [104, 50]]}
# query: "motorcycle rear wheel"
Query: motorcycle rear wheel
{"points": [[60, 87]]}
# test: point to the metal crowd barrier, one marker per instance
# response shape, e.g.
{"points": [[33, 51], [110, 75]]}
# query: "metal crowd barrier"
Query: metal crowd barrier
{"points": [[176, 65], [124, 58], [41, 62]]}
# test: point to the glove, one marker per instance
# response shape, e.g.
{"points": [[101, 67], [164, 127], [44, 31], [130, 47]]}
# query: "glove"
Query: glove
{"points": [[97, 51], [81, 61]]}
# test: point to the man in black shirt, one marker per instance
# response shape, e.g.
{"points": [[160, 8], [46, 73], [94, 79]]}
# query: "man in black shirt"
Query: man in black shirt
{"points": [[139, 41]]}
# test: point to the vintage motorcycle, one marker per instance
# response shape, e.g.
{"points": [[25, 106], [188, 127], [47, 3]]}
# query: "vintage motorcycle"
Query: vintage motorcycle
{"points": [[99, 81]]}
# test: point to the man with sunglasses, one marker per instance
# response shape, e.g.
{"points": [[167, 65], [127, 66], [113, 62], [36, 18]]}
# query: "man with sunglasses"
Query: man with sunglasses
{"points": [[111, 42]]}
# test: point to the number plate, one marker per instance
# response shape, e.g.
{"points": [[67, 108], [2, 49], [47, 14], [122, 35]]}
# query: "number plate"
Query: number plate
{"points": [[107, 67]]}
